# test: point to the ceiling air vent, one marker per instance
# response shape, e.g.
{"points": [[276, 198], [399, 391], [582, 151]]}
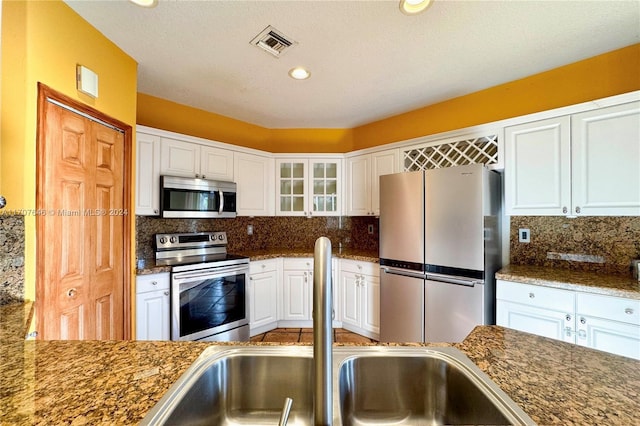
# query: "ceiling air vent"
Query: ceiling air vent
{"points": [[273, 41]]}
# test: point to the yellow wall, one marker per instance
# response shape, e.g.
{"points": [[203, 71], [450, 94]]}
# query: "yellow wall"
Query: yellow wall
{"points": [[43, 42], [605, 75]]}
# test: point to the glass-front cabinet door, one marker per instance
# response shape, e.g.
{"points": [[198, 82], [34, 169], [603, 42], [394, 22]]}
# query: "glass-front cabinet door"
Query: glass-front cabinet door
{"points": [[308, 187]]}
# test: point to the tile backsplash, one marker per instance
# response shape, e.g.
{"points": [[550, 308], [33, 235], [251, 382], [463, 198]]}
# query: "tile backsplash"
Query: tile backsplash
{"points": [[268, 232], [11, 259], [597, 243]]}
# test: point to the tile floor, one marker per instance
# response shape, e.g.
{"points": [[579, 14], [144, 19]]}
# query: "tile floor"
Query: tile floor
{"points": [[292, 335]]}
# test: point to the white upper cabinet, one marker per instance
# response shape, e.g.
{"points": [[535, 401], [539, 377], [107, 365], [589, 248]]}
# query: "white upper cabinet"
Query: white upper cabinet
{"points": [[181, 158], [363, 181], [584, 164], [254, 177], [605, 151], [308, 187], [147, 174]]}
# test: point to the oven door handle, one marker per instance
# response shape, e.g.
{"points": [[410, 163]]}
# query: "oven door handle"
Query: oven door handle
{"points": [[211, 272], [221, 194]]}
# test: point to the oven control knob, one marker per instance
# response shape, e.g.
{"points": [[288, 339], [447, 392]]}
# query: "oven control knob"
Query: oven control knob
{"points": [[173, 239], [163, 240], [213, 237], [221, 237]]}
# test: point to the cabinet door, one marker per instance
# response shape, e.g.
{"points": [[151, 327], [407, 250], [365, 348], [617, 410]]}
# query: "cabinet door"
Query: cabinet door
{"points": [[296, 304], [359, 186], [291, 187], [216, 163], [350, 298], [609, 336], [324, 187], [371, 303], [263, 299], [147, 175], [382, 163], [152, 315], [543, 322], [254, 177], [179, 158], [538, 168], [605, 161]]}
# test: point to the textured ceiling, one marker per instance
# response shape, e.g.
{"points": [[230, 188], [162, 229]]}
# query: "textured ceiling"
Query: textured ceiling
{"points": [[367, 60]]}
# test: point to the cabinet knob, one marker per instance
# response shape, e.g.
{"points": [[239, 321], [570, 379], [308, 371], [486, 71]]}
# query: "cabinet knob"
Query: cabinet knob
{"points": [[72, 292], [583, 320], [565, 210], [568, 317], [155, 211], [154, 282], [628, 311], [263, 266], [577, 209], [166, 293], [204, 177], [532, 296]]}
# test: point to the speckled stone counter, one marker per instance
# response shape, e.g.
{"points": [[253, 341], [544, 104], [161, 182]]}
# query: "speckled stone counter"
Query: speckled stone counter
{"points": [[57, 382], [591, 282], [361, 255]]}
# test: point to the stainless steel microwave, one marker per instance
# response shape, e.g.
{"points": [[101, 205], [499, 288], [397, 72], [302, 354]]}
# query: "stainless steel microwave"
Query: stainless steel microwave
{"points": [[182, 197]]}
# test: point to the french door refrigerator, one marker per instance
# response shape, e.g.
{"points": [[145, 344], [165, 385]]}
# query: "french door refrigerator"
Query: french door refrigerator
{"points": [[439, 251]]}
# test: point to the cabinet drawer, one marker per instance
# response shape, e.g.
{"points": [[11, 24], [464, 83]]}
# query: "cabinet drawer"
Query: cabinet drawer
{"points": [[359, 267], [609, 307], [259, 266], [533, 295], [298, 264], [152, 282]]}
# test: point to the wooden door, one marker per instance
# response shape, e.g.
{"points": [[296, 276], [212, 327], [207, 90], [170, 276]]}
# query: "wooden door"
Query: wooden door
{"points": [[81, 233]]}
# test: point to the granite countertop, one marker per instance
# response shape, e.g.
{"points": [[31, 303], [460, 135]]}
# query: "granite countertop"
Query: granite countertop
{"points": [[254, 255], [109, 382], [591, 282]]}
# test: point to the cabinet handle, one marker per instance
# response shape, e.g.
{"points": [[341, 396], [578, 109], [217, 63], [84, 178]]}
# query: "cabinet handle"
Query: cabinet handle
{"points": [[264, 266], [154, 282], [72, 292], [583, 320], [568, 317], [565, 210], [250, 278], [204, 177], [577, 209], [166, 293], [197, 176], [628, 311], [532, 296], [155, 211]]}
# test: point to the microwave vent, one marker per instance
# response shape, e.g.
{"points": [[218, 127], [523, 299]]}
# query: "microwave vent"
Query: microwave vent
{"points": [[273, 41]]}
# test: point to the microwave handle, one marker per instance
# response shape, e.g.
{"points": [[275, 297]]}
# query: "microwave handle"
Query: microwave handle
{"points": [[221, 201]]}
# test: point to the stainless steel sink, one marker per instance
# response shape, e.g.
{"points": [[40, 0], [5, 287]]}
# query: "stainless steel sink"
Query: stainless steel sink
{"points": [[371, 386]]}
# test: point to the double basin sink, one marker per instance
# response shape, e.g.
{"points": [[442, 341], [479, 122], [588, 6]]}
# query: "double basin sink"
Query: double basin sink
{"points": [[371, 386]]}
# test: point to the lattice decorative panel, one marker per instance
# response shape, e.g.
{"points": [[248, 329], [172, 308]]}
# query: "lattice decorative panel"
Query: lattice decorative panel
{"points": [[483, 150]]}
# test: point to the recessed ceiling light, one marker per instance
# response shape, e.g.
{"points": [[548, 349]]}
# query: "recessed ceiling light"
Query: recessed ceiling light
{"points": [[413, 7], [299, 73], [145, 3]]}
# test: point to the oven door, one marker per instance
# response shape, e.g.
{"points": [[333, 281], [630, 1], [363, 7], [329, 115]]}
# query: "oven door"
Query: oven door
{"points": [[208, 302]]}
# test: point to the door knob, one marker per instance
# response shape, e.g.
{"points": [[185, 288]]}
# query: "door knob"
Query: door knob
{"points": [[72, 292]]}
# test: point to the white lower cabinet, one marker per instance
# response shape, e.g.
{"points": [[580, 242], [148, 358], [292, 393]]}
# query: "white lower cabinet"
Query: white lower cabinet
{"points": [[606, 323], [359, 288], [153, 307], [263, 295]]}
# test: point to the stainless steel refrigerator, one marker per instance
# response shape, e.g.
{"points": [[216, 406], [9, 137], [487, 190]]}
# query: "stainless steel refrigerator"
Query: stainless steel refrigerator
{"points": [[439, 251]]}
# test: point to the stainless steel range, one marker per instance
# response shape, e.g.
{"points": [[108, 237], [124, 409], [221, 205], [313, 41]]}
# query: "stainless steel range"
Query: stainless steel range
{"points": [[209, 287]]}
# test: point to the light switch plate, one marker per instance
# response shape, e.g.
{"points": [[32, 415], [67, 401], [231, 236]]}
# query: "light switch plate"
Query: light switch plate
{"points": [[524, 235]]}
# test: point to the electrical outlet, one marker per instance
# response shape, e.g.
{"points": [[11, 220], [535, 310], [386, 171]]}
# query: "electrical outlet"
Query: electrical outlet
{"points": [[370, 229], [524, 235], [249, 229]]}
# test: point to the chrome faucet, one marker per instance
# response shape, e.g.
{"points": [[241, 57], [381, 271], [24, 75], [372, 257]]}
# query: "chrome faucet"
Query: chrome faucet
{"points": [[322, 329]]}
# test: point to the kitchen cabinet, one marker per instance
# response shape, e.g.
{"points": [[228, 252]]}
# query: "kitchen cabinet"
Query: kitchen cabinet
{"points": [[308, 187], [607, 323], [547, 312], [359, 288], [255, 179], [610, 324], [582, 164], [363, 180], [188, 159], [153, 307], [263, 295], [147, 174]]}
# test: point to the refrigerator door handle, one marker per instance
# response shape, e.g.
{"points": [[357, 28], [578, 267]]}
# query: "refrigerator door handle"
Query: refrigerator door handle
{"points": [[469, 282], [404, 273]]}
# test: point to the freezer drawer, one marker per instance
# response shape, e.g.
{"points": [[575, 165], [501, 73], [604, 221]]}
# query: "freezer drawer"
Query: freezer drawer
{"points": [[401, 308], [452, 311]]}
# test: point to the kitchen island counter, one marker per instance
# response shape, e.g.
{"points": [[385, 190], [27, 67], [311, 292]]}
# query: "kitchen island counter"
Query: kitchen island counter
{"points": [[91, 382]]}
